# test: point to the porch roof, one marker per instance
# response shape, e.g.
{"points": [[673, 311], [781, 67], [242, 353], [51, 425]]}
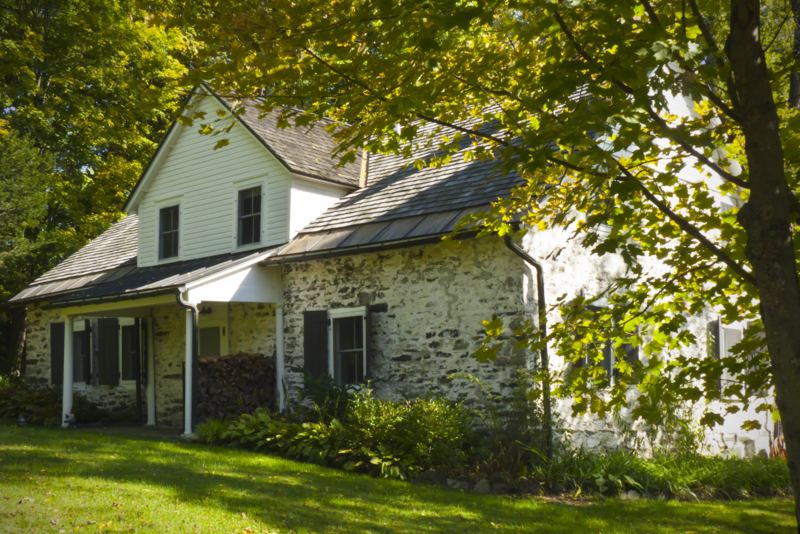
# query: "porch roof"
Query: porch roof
{"points": [[130, 280]]}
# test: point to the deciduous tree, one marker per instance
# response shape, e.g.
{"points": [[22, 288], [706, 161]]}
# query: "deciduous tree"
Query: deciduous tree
{"points": [[579, 98]]}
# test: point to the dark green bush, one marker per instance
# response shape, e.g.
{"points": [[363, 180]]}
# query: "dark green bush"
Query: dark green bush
{"points": [[36, 406], [322, 398], [389, 438]]}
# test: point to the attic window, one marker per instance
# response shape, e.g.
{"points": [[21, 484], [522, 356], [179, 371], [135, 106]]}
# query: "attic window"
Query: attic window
{"points": [[168, 232], [250, 216]]}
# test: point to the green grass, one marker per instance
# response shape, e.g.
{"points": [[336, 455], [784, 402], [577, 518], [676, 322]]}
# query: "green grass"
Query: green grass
{"points": [[52, 480]]}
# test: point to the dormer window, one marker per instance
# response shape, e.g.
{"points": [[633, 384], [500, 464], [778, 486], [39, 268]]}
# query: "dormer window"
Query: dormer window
{"points": [[168, 232], [250, 216]]}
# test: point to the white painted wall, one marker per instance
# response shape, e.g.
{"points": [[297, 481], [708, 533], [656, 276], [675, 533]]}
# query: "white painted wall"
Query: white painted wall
{"points": [[205, 181], [310, 199]]}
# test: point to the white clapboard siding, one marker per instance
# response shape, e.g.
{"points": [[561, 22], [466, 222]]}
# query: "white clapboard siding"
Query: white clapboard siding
{"points": [[205, 181], [310, 199]]}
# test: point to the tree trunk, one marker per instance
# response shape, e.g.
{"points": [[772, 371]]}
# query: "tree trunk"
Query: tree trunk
{"points": [[15, 350], [766, 218], [794, 80]]}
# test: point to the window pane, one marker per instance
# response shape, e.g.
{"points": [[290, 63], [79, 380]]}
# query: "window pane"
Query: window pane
{"points": [[348, 356], [246, 231], [256, 200], [246, 202], [130, 351], [256, 228], [175, 217]]}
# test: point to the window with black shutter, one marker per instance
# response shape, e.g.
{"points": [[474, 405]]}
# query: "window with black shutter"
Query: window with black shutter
{"points": [[81, 352], [336, 343]]}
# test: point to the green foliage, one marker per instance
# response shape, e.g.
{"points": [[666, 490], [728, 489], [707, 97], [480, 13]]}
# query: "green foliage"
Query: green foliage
{"points": [[322, 398], [387, 438], [684, 476], [507, 75], [90, 88], [37, 406]]}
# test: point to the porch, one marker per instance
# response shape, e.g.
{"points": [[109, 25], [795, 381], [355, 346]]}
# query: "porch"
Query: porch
{"points": [[141, 347]]}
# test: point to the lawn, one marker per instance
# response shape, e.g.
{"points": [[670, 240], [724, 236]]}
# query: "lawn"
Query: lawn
{"points": [[54, 480]]}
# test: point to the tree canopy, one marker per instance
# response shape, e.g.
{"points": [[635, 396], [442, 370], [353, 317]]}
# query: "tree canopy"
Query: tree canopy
{"points": [[92, 86], [580, 99]]}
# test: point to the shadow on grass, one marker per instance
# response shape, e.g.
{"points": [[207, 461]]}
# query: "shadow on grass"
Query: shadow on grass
{"points": [[302, 497]]}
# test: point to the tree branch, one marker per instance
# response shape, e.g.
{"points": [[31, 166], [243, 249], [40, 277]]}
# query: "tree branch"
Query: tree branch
{"points": [[689, 228], [651, 12]]}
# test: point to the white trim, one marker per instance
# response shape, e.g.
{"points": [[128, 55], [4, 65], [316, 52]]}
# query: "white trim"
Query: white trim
{"points": [[125, 321], [233, 270], [80, 326], [237, 188], [340, 313], [162, 204]]}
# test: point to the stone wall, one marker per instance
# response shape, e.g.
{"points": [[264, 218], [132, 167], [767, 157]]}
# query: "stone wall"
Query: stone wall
{"points": [[169, 350], [37, 369], [252, 328], [434, 299]]}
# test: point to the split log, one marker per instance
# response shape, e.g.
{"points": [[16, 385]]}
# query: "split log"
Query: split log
{"points": [[235, 384]]}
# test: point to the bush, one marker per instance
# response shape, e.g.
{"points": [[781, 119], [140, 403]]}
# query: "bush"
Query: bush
{"points": [[36, 406], [688, 477], [387, 438], [322, 398]]}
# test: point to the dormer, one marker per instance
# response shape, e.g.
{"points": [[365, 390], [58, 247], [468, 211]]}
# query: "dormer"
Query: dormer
{"points": [[257, 191]]}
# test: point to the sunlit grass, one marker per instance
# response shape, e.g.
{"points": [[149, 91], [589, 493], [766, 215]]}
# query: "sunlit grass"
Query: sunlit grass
{"points": [[52, 480]]}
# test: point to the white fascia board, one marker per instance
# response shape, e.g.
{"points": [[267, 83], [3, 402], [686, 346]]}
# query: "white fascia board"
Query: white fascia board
{"points": [[228, 272], [254, 283]]}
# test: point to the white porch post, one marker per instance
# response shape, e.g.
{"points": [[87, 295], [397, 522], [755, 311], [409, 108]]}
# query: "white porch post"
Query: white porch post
{"points": [[66, 399], [279, 363], [150, 391], [187, 417]]}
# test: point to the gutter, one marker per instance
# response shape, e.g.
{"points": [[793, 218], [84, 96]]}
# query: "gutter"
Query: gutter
{"points": [[190, 405], [98, 300], [519, 251]]}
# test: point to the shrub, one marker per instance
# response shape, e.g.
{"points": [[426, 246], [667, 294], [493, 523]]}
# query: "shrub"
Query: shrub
{"points": [[322, 398], [685, 476], [389, 438], [36, 406]]}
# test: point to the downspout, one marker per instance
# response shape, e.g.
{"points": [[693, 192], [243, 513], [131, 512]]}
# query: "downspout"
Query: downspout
{"points": [[516, 249], [193, 371]]}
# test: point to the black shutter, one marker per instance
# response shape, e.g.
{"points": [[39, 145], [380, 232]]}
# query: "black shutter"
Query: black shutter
{"points": [[108, 351], [608, 352], [86, 347], [57, 354], [368, 342], [315, 342]]}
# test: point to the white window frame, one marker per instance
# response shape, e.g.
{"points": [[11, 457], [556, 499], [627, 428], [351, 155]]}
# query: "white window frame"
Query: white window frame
{"points": [[79, 325], [126, 321], [168, 203], [341, 313], [237, 188]]}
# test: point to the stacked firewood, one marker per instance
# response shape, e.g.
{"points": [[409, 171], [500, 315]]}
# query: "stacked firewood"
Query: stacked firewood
{"points": [[234, 384]]}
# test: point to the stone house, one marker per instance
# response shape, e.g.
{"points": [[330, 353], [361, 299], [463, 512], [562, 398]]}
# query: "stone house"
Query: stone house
{"points": [[265, 245]]}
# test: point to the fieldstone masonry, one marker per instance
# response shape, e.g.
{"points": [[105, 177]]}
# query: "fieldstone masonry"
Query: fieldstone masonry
{"points": [[430, 302], [428, 305]]}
